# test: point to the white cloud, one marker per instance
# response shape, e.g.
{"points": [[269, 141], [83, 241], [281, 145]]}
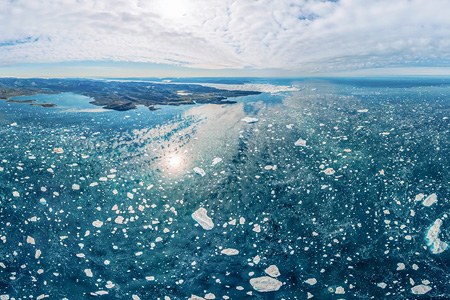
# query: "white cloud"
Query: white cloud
{"points": [[303, 35]]}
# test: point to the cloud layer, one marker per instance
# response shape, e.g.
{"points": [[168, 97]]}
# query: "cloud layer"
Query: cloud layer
{"points": [[300, 35]]}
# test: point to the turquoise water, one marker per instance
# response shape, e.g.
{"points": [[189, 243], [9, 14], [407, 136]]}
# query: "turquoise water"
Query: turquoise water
{"points": [[98, 203]]}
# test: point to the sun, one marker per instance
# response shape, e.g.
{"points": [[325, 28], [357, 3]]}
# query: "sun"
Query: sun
{"points": [[173, 9]]}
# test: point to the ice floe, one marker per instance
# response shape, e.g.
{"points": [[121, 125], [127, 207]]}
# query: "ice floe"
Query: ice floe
{"points": [[97, 223], [265, 284], [430, 200], [201, 217], [230, 251], [311, 281], [216, 160], [420, 289], [199, 171], [432, 238], [300, 143], [250, 120], [272, 271]]}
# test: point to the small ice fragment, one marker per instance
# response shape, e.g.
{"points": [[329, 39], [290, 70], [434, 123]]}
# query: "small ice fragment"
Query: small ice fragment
{"points": [[256, 228], [37, 254], [340, 290], [430, 200], [210, 296], [97, 223], [311, 281], [88, 272], [265, 284], [364, 110], [30, 240], [329, 171], [16, 194], [419, 197], [256, 259], [230, 251], [216, 161], [432, 238], [199, 171], [249, 120], [400, 266], [195, 297], [382, 285], [58, 150], [150, 278], [201, 217], [420, 289], [75, 187], [272, 271], [300, 143], [135, 297], [130, 195]]}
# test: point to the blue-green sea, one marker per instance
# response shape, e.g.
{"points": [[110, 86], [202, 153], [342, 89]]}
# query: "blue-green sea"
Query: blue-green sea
{"points": [[336, 184]]}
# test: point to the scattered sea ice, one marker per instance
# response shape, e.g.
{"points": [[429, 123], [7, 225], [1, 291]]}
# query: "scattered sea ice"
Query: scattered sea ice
{"points": [[265, 284], [201, 217], [311, 281]]}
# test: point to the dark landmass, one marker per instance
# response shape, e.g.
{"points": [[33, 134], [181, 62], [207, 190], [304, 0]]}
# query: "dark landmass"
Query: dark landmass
{"points": [[32, 102], [119, 95]]}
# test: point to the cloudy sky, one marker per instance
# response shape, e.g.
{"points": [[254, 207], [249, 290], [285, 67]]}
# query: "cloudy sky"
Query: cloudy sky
{"points": [[223, 37]]}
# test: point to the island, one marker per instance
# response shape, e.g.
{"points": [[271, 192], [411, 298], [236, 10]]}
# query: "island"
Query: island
{"points": [[118, 95]]}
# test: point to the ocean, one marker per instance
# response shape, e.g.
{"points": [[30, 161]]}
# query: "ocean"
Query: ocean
{"points": [[332, 188]]}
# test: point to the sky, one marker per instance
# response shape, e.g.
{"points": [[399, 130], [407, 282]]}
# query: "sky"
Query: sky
{"points": [[163, 38]]}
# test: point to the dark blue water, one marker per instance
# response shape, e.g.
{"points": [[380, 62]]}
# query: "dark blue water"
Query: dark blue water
{"points": [[97, 203]]}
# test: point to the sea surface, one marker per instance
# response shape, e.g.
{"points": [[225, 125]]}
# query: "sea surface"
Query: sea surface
{"points": [[339, 183]]}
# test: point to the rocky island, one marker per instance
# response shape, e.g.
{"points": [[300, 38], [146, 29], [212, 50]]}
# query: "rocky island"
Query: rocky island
{"points": [[118, 95]]}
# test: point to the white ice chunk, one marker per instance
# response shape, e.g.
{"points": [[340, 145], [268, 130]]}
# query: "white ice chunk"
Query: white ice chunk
{"points": [[420, 289], [272, 271], [230, 251], [97, 223], [201, 217], [432, 238], [88, 272], [265, 284], [216, 160], [300, 143], [249, 120], [430, 200], [199, 171], [311, 281]]}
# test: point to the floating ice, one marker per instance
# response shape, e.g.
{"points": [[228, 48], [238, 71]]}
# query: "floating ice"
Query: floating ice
{"points": [[430, 200], [340, 290], [216, 160], [75, 187], [88, 272], [58, 150], [400, 266], [30, 240], [419, 197], [97, 223], [199, 171], [311, 281], [432, 238], [16, 194], [420, 289], [300, 143], [249, 120], [364, 110], [272, 271], [329, 171], [195, 297], [201, 217], [230, 251], [265, 284]]}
